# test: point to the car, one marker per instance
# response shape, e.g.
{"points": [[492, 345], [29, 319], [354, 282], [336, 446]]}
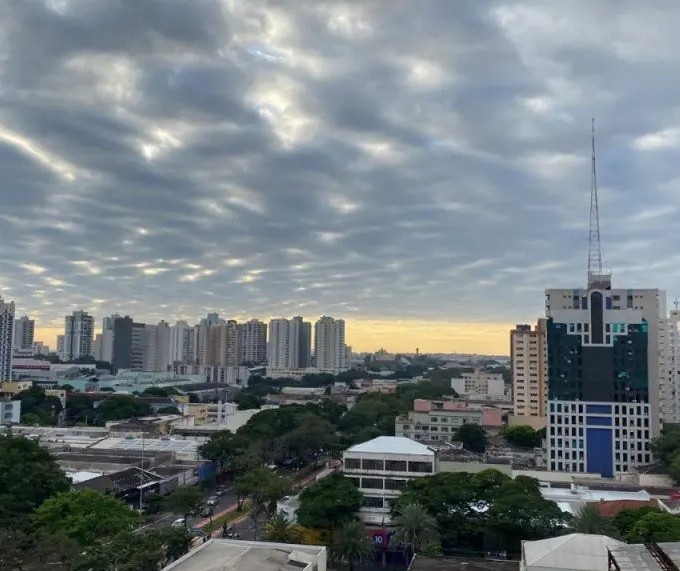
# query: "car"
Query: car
{"points": [[219, 492], [207, 511], [179, 522], [213, 501]]}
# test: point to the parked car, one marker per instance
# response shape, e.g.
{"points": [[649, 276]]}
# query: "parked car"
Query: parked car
{"points": [[213, 501], [179, 522], [207, 511]]}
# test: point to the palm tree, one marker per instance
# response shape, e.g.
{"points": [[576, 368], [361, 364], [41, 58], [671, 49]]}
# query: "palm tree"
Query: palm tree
{"points": [[354, 545], [415, 527], [278, 528], [590, 521]]}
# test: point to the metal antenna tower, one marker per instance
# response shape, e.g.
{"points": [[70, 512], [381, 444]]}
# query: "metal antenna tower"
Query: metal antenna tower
{"points": [[594, 252]]}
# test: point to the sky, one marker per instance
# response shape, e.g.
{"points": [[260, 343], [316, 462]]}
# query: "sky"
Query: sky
{"points": [[421, 169]]}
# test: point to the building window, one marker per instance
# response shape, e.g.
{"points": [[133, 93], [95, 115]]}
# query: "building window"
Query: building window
{"points": [[372, 483], [372, 464], [395, 465], [372, 502], [392, 484], [421, 467], [353, 463], [355, 481]]}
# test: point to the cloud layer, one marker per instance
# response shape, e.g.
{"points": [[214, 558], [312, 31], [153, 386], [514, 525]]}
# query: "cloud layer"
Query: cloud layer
{"points": [[409, 160]]}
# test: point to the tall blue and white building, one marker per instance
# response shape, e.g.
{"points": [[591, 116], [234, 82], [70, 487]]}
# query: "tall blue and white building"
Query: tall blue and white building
{"points": [[607, 368]]}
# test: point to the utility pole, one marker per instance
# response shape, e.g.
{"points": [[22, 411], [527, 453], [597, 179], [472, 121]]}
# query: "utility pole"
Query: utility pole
{"points": [[141, 477]]}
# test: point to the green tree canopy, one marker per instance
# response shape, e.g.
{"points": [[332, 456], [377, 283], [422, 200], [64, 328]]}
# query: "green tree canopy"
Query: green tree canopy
{"points": [[415, 527], [168, 410], [472, 436], [184, 500], [121, 407], [625, 520], [279, 529], [655, 527], [85, 516], [265, 487], [329, 502], [35, 403], [354, 546], [522, 436], [246, 400], [590, 521], [28, 476], [159, 392]]}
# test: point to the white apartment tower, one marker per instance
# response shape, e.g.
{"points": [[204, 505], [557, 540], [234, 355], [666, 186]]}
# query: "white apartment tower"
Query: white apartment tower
{"points": [[7, 310], [528, 370], [179, 343], [670, 390], [24, 332], [289, 343], [330, 351], [253, 340], [78, 335]]}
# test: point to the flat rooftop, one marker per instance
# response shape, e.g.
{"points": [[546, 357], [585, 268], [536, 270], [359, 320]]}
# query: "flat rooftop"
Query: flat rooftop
{"points": [[392, 445], [233, 555], [425, 563]]}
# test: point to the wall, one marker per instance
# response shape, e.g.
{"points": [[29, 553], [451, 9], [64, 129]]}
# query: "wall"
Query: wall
{"points": [[473, 467]]}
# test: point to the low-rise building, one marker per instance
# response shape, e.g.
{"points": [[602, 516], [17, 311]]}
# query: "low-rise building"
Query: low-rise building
{"points": [[437, 420], [479, 383], [10, 412], [236, 555], [380, 469], [14, 387]]}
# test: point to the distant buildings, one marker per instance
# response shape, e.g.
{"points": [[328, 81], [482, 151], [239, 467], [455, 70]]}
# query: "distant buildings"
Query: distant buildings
{"points": [[10, 412], [289, 344], [7, 310], [253, 338], [528, 366], [24, 332], [330, 351], [480, 384], [78, 336], [381, 467]]}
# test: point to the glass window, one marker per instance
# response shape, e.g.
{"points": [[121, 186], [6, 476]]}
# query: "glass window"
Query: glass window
{"points": [[372, 464], [372, 502], [423, 467], [372, 483], [392, 484], [352, 464], [395, 465]]}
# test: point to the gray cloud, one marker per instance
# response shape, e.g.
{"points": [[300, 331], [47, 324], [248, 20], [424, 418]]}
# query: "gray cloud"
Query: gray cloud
{"points": [[423, 159]]}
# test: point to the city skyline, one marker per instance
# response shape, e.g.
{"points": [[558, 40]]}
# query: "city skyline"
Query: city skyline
{"points": [[421, 173]]}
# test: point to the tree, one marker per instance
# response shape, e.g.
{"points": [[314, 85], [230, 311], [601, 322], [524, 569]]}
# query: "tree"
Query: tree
{"points": [[184, 500], [415, 527], [28, 476], [625, 520], [68, 388], [522, 436], [247, 400], [159, 392], [590, 521], [329, 502], [265, 488], [120, 407], [354, 546], [279, 529], [472, 436], [655, 527], [168, 410], [85, 516], [35, 403]]}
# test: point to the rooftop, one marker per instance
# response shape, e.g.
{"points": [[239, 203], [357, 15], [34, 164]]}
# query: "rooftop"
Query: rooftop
{"points": [[424, 563], [232, 555], [392, 445], [650, 557], [613, 507], [575, 552]]}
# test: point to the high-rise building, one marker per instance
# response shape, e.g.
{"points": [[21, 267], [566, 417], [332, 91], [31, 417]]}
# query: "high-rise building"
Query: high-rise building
{"points": [[78, 336], [607, 358], [128, 344], [107, 337], [60, 346], [279, 354], [670, 393], [330, 352], [7, 310], [212, 319], [253, 339], [304, 342], [528, 370], [24, 331], [179, 343]]}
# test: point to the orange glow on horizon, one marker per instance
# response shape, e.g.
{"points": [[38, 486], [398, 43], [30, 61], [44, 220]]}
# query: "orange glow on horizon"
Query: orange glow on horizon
{"points": [[402, 336]]}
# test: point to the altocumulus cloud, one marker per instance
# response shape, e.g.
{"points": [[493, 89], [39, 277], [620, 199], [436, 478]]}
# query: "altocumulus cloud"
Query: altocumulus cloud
{"points": [[414, 160]]}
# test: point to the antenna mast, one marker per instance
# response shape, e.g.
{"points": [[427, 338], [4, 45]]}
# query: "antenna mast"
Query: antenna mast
{"points": [[594, 252]]}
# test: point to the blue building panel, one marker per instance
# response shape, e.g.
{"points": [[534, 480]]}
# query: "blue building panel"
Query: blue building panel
{"points": [[599, 420], [598, 409], [599, 455]]}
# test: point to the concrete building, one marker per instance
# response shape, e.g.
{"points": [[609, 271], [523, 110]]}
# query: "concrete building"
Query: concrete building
{"points": [[253, 338], [128, 344], [179, 343], [304, 342], [60, 345], [281, 341], [380, 469], [479, 383], [670, 395], [528, 366], [39, 348], [24, 332], [10, 412], [228, 374], [438, 420], [7, 310], [573, 552], [607, 357], [330, 351], [156, 347], [78, 336], [236, 555]]}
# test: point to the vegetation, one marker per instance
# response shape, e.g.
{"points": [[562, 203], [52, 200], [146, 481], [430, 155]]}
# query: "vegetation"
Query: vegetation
{"points": [[590, 521], [354, 546], [39, 409], [329, 503], [160, 392], [246, 400], [121, 407], [472, 436], [476, 511], [655, 527], [522, 436], [279, 529], [185, 500], [666, 450], [415, 527]]}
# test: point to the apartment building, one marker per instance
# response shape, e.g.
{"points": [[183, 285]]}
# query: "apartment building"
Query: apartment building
{"points": [[24, 331], [253, 339], [78, 338], [10, 412], [381, 467], [438, 420], [528, 353], [479, 384], [330, 351], [6, 339]]}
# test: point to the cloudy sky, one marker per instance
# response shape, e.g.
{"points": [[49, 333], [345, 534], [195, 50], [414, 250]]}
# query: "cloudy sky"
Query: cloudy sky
{"points": [[419, 168]]}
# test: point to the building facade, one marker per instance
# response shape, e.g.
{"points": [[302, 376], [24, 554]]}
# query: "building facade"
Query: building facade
{"points": [[7, 310], [479, 383], [381, 467], [24, 333], [528, 366], [10, 412], [330, 351], [128, 344], [670, 397], [607, 357], [78, 336], [253, 339]]}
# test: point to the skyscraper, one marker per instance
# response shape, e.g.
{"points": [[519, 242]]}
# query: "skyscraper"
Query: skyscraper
{"points": [[78, 335], [128, 344], [253, 339], [7, 310], [606, 361], [304, 342], [179, 343], [279, 354], [330, 352], [528, 370], [24, 330]]}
